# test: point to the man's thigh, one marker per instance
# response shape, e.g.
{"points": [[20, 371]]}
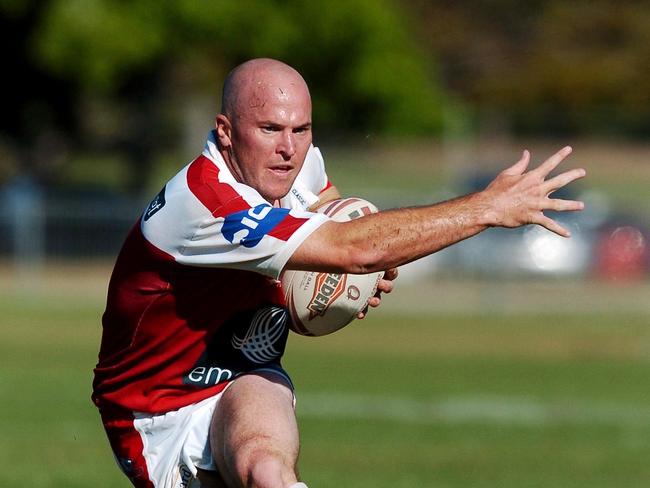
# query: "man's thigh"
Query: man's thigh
{"points": [[255, 414]]}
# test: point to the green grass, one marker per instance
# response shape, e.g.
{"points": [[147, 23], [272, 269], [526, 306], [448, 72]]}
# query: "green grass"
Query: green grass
{"points": [[433, 400], [596, 433]]}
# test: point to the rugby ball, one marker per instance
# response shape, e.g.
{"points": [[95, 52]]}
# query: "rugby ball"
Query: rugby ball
{"points": [[322, 303]]}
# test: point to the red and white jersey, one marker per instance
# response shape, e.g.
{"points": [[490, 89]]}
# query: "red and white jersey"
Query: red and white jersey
{"points": [[194, 298]]}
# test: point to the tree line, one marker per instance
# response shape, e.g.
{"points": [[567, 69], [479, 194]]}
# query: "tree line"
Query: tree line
{"points": [[118, 77]]}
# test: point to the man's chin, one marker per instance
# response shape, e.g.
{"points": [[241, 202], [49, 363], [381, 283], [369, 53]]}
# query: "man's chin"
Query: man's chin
{"points": [[276, 194]]}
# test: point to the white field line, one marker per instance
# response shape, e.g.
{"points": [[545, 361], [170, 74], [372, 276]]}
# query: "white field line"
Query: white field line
{"points": [[492, 410]]}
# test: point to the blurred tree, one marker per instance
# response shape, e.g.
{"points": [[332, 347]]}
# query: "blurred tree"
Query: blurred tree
{"points": [[36, 112], [591, 62], [546, 66], [134, 77], [118, 75]]}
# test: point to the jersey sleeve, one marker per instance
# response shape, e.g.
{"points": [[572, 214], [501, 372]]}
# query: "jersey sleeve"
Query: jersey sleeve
{"points": [[204, 222], [310, 182]]}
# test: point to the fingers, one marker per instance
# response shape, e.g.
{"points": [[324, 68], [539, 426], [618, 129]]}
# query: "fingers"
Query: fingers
{"points": [[384, 286], [520, 166], [563, 179], [560, 205], [551, 163], [521, 197], [391, 274], [363, 313], [553, 226]]}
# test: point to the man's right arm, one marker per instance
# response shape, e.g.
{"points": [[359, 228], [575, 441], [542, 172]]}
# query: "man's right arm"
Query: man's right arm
{"points": [[395, 237]]}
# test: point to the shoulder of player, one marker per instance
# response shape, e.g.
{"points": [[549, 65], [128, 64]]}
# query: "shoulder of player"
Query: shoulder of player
{"points": [[199, 186], [202, 179]]}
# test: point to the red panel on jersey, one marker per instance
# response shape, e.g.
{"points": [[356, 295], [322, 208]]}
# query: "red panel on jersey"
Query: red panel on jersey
{"points": [[285, 229], [162, 345], [219, 198], [160, 317]]}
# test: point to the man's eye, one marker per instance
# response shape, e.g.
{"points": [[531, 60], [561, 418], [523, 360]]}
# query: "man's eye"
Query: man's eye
{"points": [[269, 128]]}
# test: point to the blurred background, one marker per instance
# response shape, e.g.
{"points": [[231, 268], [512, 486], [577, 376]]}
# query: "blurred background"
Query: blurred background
{"points": [[415, 101]]}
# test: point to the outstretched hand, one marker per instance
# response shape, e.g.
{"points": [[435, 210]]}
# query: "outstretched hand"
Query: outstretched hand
{"points": [[516, 197]]}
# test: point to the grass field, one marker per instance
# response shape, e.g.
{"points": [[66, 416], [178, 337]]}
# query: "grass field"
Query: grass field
{"points": [[441, 396]]}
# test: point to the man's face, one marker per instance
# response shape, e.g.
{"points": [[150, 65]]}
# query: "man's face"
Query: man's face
{"points": [[270, 137]]}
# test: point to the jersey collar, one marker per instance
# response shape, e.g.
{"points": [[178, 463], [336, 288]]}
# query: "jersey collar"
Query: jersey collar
{"points": [[211, 151]]}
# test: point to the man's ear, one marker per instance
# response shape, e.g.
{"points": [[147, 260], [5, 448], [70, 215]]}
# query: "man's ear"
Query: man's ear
{"points": [[224, 130]]}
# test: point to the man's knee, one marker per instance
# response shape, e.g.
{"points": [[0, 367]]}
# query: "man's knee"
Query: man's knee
{"points": [[257, 464]]}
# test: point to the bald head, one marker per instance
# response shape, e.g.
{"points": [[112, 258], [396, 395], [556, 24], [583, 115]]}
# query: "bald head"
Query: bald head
{"points": [[264, 128], [250, 84]]}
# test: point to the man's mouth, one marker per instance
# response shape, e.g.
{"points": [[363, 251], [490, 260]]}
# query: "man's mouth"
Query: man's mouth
{"points": [[283, 169]]}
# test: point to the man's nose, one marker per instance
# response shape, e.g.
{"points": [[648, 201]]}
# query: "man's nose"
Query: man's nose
{"points": [[287, 146]]}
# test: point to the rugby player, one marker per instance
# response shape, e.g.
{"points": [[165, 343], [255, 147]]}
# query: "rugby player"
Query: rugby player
{"points": [[189, 382]]}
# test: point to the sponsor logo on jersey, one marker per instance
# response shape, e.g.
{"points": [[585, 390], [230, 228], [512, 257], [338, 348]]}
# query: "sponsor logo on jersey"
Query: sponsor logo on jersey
{"points": [[267, 327], [248, 340], [329, 286], [156, 204], [300, 198], [208, 376], [248, 227]]}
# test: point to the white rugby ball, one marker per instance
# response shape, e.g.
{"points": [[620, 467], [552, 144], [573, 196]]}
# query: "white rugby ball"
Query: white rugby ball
{"points": [[322, 303]]}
